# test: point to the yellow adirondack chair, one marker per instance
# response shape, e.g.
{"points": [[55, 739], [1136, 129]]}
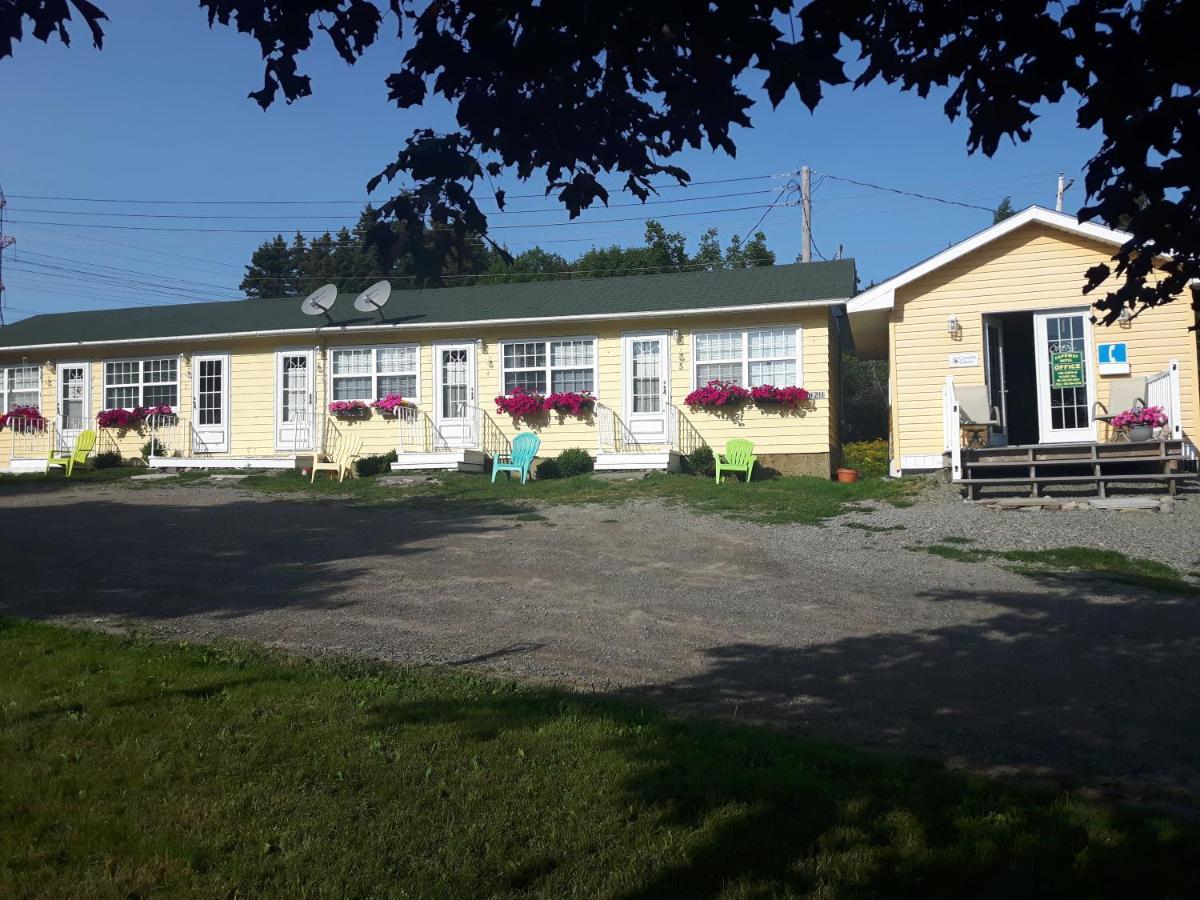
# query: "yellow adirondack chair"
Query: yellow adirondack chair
{"points": [[739, 457], [341, 459], [84, 444]]}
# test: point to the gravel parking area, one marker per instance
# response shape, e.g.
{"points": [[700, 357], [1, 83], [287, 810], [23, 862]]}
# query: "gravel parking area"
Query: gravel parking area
{"points": [[832, 629]]}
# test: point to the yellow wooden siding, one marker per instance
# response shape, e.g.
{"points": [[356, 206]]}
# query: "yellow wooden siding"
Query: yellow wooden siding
{"points": [[1033, 268], [253, 383]]}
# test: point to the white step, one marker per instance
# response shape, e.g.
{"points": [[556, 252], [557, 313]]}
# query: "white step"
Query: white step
{"points": [[223, 462], [462, 460], [21, 466], [655, 460]]}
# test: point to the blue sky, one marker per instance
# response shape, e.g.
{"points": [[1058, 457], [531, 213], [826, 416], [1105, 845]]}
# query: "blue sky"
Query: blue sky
{"points": [[161, 114]]}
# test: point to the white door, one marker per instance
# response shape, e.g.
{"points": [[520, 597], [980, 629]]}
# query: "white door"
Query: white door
{"points": [[993, 369], [454, 393], [73, 402], [1063, 354], [646, 388], [294, 385], [210, 403]]}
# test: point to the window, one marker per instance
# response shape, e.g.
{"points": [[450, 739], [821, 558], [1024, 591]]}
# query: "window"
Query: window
{"points": [[371, 373], [562, 365], [19, 386], [141, 382], [749, 358]]}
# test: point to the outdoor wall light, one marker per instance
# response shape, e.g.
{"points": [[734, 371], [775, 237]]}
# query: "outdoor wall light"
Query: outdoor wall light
{"points": [[675, 334], [953, 327], [1125, 319]]}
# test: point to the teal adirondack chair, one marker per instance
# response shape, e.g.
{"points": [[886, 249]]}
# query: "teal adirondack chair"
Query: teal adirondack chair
{"points": [[524, 449], [77, 455], [739, 457]]}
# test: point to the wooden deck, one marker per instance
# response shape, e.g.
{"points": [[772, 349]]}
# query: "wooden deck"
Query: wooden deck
{"points": [[1037, 465]]}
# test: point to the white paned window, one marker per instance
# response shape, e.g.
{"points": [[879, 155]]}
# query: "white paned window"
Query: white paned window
{"points": [[561, 365], [749, 358], [371, 373], [141, 382], [19, 386]]}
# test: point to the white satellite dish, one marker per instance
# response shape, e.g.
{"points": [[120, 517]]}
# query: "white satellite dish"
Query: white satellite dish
{"points": [[320, 301], [374, 298]]}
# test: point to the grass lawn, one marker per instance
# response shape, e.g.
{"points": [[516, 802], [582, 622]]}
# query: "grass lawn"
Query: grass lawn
{"points": [[133, 767], [777, 500], [1107, 565]]}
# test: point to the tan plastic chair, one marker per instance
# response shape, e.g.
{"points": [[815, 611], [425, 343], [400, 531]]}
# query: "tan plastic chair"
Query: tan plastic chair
{"points": [[1123, 394], [976, 414], [341, 459]]}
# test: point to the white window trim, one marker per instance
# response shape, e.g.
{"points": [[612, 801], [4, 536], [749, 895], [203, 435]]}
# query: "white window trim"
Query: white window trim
{"points": [[141, 383], [4, 391], [548, 369], [374, 374], [745, 360]]}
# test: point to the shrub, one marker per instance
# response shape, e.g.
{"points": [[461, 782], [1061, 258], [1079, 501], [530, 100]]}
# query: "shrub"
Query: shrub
{"points": [[575, 461], [700, 461], [109, 459], [869, 457], [375, 465], [159, 449], [548, 468]]}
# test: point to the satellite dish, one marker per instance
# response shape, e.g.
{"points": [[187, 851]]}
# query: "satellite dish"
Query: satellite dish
{"points": [[320, 301], [374, 298]]}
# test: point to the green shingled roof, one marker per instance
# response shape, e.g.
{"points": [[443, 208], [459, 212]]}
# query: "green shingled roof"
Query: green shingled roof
{"points": [[453, 305]]}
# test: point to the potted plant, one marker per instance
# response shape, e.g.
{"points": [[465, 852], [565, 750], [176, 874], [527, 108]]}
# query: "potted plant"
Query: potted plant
{"points": [[716, 395], [769, 395], [350, 409], [1139, 423], [390, 405], [519, 402], [847, 476], [134, 419]]}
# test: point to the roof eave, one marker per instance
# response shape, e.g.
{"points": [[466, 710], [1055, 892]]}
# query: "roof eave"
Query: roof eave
{"points": [[425, 326]]}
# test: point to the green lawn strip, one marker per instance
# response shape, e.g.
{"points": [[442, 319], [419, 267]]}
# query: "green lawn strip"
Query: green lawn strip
{"points": [[777, 500], [1108, 565], [134, 768], [56, 479]]}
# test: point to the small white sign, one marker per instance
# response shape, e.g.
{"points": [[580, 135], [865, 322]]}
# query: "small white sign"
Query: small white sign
{"points": [[818, 395], [963, 360], [1113, 359]]}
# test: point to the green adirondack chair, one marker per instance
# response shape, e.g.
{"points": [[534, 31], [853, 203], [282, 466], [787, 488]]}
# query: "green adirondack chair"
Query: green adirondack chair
{"points": [[524, 449], [79, 454], [739, 457]]}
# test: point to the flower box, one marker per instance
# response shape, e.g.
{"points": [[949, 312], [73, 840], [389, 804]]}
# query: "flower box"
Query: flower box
{"points": [[520, 403], [133, 419], [390, 405], [350, 409], [769, 395], [24, 418], [570, 403], [717, 395]]}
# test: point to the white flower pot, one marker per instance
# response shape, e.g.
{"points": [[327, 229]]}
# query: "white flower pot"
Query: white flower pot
{"points": [[1140, 433]]}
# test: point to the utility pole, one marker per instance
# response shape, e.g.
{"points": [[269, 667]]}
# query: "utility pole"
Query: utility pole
{"points": [[6, 241], [1062, 189], [806, 207]]}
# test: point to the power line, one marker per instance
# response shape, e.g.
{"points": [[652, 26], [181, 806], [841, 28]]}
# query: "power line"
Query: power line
{"points": [[891, 190]]}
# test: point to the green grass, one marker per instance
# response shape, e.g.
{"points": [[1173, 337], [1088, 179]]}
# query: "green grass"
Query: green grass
{"points": [[957, 539], [134, 768], [1104, 565], [56, 479], [777, 500]]}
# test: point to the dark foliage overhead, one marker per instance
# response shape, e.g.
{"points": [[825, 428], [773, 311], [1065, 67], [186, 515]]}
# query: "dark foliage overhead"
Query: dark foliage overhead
{"points": [[581, 91]]}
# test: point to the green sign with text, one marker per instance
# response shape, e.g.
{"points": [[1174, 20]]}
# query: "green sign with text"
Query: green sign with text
{"points": [[1066, 369]]}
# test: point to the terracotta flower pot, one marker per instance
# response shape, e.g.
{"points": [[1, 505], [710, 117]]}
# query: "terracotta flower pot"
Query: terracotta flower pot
{"points": [[847, 476]]}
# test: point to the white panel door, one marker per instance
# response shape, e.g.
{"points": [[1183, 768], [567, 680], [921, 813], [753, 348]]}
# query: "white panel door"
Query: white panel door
{"points": [[74, 407], [454, 393], [295, 384], [1064, 412], [210, 403], [646, 386]]}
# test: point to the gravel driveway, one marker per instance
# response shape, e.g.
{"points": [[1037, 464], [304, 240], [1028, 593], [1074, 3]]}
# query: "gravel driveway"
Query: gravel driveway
{"points": [[833, 630]]}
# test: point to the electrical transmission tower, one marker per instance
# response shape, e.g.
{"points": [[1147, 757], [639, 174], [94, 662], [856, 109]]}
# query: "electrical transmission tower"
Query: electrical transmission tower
{"points": [[6, 241]]}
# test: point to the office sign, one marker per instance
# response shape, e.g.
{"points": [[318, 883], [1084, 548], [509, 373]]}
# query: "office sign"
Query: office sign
{"points": [[1066, 369]]}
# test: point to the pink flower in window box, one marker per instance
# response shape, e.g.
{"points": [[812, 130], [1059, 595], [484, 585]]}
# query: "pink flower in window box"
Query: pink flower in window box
{"points": [[390, 405], [518, 402], [570, 403], [768, 394], [717, 394], [350, 409]]}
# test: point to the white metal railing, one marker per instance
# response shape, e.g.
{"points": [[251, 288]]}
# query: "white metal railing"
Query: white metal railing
{"points": [[487, 434], [417, 432], [681, 433], [952, 428], [1162, 390], [31, 437], [612, 434], [171, 435]]}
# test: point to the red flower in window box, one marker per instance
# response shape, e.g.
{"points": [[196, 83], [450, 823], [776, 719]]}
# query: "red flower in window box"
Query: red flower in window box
{"points": [[126, 419], [518, 402], [769, 395], [24, 418], [570, 403], [717, 394]]}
